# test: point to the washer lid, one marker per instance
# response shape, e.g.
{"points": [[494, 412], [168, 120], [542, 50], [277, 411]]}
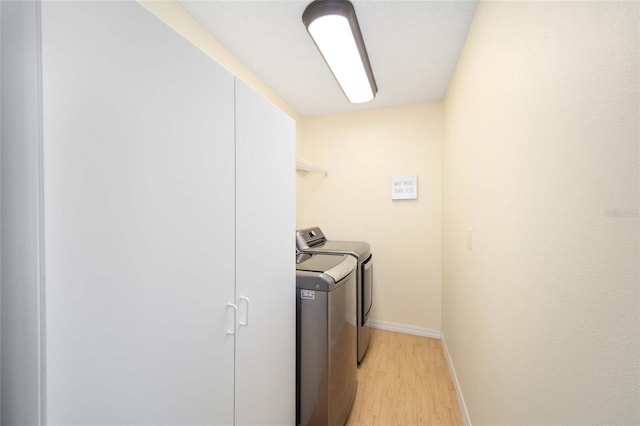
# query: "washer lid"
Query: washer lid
{"points": [[343, 269], [359, 249], [317, 262], [323, 272]]}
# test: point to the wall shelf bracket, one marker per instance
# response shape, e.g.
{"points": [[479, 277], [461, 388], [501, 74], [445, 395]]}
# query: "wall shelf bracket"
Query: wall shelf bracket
{"points": [[306, 166]]}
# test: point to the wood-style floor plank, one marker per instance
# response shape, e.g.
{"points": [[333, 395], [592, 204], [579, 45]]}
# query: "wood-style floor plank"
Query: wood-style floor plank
{"points": [[404, 380]]}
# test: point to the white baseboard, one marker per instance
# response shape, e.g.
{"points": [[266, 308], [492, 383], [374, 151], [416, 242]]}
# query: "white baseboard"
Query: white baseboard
{"points": [[407, 329], [456, 385]]}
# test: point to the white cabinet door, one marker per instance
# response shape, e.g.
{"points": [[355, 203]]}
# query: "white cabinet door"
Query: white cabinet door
{"points": [[139, 212], [265, 226]]}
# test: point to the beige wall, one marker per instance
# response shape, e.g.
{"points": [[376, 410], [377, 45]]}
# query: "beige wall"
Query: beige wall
{"points": [[362, 151], [541, 318]]}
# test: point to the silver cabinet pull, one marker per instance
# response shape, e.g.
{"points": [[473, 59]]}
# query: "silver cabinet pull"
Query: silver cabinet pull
{"points": [[235, 314], [246, 316]]}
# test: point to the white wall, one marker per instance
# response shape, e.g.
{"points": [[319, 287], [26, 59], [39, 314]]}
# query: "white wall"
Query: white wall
{"points": [[541, 124], [361, 152]]}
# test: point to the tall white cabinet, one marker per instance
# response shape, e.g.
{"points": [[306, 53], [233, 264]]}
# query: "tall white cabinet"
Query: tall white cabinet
{"points": [[167, 207], [264, 181]]}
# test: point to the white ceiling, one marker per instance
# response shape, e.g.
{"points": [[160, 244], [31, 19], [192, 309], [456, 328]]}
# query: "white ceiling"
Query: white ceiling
{"points": [[413, 47]]}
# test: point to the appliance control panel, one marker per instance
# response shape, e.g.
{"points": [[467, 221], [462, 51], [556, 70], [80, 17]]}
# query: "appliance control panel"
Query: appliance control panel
{"points": [[309, 237]]}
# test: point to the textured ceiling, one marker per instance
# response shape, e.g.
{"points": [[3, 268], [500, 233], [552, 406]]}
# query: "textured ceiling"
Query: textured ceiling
{"points": [[413, 47]]}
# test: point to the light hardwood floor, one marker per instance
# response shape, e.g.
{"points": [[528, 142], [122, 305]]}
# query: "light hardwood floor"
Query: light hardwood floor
{"points": [[404, 380]]}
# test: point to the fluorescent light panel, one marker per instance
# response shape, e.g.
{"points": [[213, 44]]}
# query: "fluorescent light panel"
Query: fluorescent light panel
{"points": [[335, 31]]}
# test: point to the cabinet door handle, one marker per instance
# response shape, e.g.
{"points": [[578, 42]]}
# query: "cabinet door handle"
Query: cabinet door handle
{"points": [[235, 314], [246, 315]]}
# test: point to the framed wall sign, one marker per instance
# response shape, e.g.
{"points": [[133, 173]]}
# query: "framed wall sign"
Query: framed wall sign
{"points": [[404, 187]]}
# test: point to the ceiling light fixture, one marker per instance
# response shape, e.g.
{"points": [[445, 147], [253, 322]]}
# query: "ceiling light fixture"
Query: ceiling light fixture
{"points": [[334, 28]]}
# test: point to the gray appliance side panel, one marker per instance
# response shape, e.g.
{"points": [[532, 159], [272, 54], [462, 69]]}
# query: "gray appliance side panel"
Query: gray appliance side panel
{"points": [[314, 357], [342, 351], [364, 287], [367, 287]]}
